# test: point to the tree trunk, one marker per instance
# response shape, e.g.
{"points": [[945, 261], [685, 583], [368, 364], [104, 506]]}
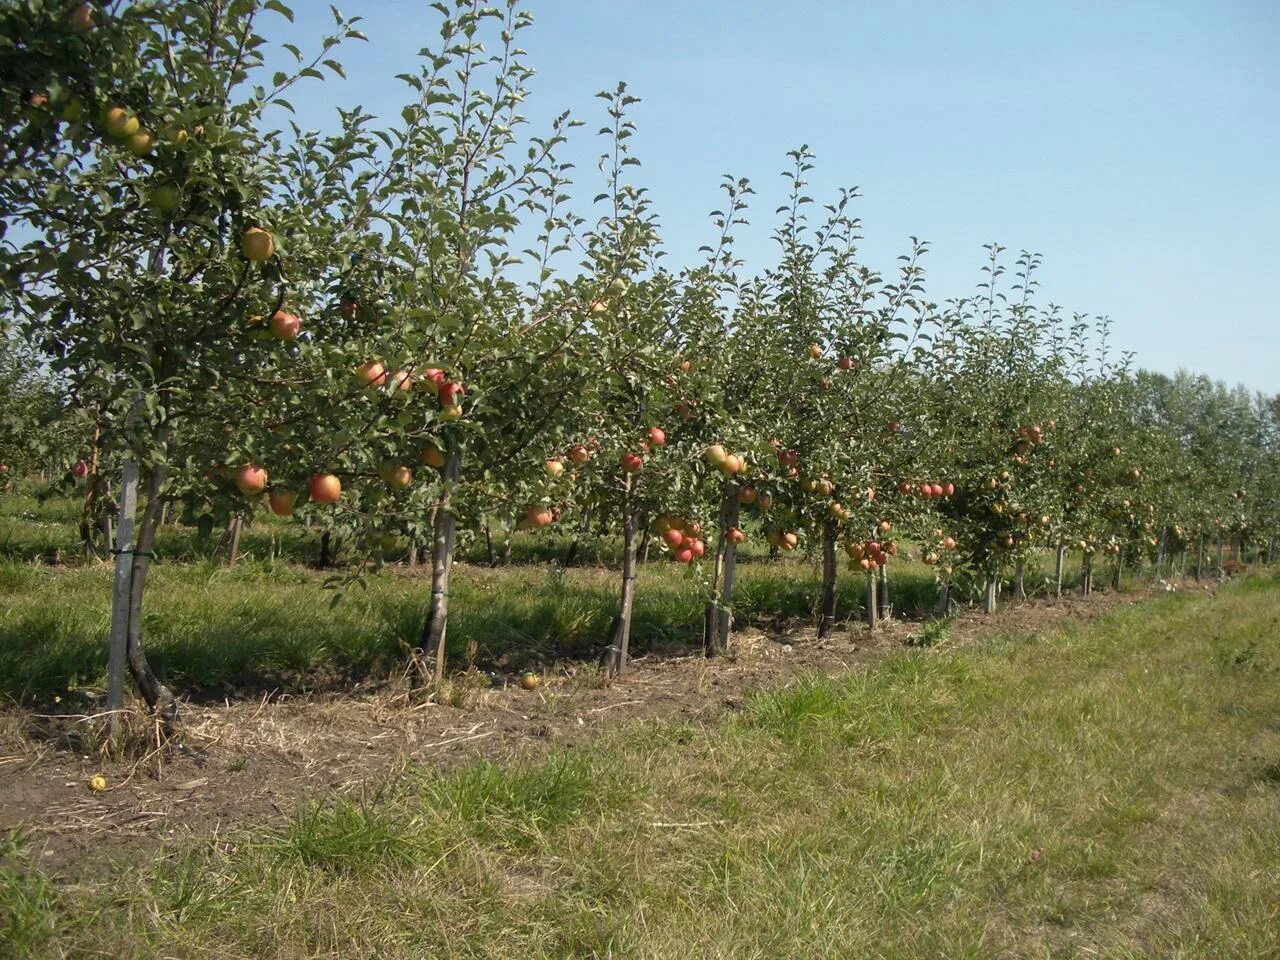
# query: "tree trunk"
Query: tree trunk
{"points": [[991, 592], [1058, 563], [1199, 556], [488, 546], [432, 640], [1117, 570], [233, 535], [117, 650], [1086, 575], [827, 613], [1219, 551], [620, 636], [943, 607], [158, 696], [1271, 551], [1164, 538], [883, 607], [325, 542], [872, 613], [718, 624], [1019, 584], [413, 553]]}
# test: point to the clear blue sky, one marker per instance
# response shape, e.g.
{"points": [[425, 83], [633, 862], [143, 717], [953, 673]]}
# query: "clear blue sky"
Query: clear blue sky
{"points": [[1135, 145]]}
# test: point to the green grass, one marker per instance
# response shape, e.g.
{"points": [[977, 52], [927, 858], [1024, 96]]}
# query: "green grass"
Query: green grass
{"points": [[1104, 790]]}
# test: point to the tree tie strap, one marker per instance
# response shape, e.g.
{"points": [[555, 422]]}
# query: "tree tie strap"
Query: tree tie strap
{"points": [[150, 555]]}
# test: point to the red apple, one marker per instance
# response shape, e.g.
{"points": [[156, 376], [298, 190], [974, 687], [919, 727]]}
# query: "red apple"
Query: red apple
{"points": [[673, 536], [80, 19], [251, 479], [449, 393], [579, 455], [697, 547], [632, 462], [80, 470], [325, 488], [285, 325], [734, 535], [747, 495], [371, 373], [845, 363], [657, 436], [282, 502], [684, 555]]}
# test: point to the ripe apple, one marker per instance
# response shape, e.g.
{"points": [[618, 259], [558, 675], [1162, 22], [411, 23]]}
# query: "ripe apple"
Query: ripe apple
{"points": [[673, 536], [348, 308], [747, 495], [789, 541], [555, 467], [894, 426], [697, 547], [885, 526], [579, 454], [788, 458], [657, 436], [949, 490], [251, 479], [140, 143], [257, 244], [285, 325], [432, 378], [815, 350], [766, 502], [732, 464], [325, 488], [926, 490], [399, 476], [449, 393], [120, 123], [869, 493], [734, 535], [716, 456], [937, 490], [449, 414], [684, 555], [401, 381], [371, 373], [845, 363], [79, 471], [539, 516], [632, 462], [904, 487], [80, 19], [529, 680], [684, 410], [686, 365], [282, 502]]}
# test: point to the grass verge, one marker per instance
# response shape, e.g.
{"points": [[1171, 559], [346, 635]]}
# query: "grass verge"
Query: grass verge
{"points": [[1107, 789]]}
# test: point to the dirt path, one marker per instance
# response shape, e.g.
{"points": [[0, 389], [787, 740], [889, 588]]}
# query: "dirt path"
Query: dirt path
{"points": [[249, 763]]}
